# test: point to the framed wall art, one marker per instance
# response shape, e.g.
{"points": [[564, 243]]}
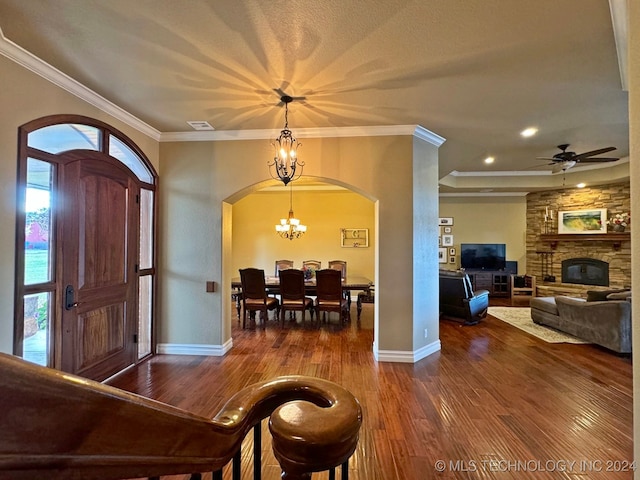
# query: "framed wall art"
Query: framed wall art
{"points": [[354, 237], [442, 255], [445, 221], [582, 221], [447, 240]]}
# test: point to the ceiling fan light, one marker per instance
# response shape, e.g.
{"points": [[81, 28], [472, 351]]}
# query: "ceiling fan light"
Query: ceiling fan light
{"points": [[489, 160], [529, 132]]}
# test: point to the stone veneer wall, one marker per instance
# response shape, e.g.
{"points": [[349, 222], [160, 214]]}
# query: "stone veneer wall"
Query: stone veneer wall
{"points": [[616, 198]]}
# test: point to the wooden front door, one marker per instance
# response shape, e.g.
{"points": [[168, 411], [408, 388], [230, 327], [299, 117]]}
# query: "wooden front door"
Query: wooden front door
{"points": [[100, 231]]}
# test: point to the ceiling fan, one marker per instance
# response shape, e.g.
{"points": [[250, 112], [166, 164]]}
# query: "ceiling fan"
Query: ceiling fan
{"points": [[564, 160]]}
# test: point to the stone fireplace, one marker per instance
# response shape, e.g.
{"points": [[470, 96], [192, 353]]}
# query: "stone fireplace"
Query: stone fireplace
{"points": [[585, 271], [547, 254]]}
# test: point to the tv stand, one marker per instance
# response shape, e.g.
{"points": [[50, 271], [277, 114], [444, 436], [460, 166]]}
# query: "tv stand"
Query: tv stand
{"points": [[497, 282]]}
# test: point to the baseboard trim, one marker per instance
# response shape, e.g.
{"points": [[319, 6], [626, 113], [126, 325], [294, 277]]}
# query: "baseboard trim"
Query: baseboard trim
{"points": [[401, 356], [194, 349]]}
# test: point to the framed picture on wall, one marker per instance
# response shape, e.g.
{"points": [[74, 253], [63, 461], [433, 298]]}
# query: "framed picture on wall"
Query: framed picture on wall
{"points": [[447, 229], [452, 259], [583, 221], [354, 237], [447, 240], [442, 255], [452, 251], [445, 221]]}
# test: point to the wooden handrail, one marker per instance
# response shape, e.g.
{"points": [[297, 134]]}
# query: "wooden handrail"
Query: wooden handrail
{"points": [[55, 425]]}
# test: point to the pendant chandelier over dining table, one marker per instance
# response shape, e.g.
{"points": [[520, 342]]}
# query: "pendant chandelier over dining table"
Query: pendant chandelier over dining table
{"points": [[290, 227], [285, 165]]}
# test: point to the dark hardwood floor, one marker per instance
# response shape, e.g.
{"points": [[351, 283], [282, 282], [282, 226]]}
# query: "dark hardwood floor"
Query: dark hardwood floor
{"points": [[494, 403]]}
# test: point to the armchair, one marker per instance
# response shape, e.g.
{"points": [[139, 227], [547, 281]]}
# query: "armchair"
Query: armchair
{"points": [[457, 298]]}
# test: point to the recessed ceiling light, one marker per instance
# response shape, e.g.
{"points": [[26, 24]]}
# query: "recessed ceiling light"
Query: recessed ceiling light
{"points": [[529, 132], [200, 125], [489, 160], [581, 185]]}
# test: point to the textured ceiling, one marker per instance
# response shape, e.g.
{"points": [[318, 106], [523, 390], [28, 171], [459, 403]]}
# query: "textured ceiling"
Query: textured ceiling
{"points": [[473, 72]]}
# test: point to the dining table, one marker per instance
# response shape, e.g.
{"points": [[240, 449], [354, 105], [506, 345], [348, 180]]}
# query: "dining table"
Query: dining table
{"points": [[272, 283]]}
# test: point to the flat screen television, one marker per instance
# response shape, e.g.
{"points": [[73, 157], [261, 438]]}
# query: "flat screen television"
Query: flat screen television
{"points": [[483, 256]]}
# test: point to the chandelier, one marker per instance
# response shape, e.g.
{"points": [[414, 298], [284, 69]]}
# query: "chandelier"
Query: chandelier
{"points": [[290, 227], [285, 165]]}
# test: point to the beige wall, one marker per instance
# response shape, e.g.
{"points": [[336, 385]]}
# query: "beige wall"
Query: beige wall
{"points": [[488, 220], [634, 155], [196, 194], [25, 96], [256, 244], [198, 186]]}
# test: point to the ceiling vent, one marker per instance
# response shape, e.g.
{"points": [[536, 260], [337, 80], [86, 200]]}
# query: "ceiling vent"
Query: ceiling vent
{"points": [[200, 125]]}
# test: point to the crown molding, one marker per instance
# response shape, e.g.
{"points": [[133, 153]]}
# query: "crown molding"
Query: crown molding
{"points": [[26, 59], [501, 173], [316, 132], [483, 194], [619, 20]]}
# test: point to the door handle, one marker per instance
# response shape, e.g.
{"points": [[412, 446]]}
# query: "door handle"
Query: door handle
{"points": [[69, 298]]}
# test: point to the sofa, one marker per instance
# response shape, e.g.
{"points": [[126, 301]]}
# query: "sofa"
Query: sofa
{"points": [[459, 300], [603, 322]]}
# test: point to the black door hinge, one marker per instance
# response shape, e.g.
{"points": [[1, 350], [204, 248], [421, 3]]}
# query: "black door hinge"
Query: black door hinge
{"points": [[135, 338]]}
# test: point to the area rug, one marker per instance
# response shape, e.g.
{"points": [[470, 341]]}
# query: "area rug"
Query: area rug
{"points": [[521, 318]]}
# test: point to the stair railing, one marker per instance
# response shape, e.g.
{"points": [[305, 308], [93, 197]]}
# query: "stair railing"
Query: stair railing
{"points": [[59, 426]]}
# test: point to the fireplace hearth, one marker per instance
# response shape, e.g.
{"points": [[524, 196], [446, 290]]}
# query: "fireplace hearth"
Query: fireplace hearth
{"points": [[585, 271]]}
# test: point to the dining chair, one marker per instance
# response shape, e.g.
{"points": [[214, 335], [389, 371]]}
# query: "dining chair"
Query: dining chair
{"points": [[341, 265], [254, 295], [283, 265], [280, 265], [292, 294], [329, 294], [314, 264]]}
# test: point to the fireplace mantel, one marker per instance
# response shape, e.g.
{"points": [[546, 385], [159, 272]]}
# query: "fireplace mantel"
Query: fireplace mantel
{"points": [[615, 238]]}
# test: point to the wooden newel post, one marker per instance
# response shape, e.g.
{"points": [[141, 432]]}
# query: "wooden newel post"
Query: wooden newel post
{"points": [[310, 437]]}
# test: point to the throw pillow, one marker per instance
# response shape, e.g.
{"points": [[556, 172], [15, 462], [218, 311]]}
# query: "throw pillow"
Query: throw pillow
{"points": [[601, 295], [626, 295]]}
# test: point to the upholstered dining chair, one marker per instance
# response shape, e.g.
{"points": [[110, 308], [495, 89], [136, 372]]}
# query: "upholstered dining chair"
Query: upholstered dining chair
{"points": [[315, 264], [280, 265], [342, 266], [283, 265], [329, 294], [254, 295], [339, 265], [292, 293]]}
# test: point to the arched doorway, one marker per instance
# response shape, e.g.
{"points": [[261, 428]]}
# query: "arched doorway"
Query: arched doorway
{"points": [[324, 205]]}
